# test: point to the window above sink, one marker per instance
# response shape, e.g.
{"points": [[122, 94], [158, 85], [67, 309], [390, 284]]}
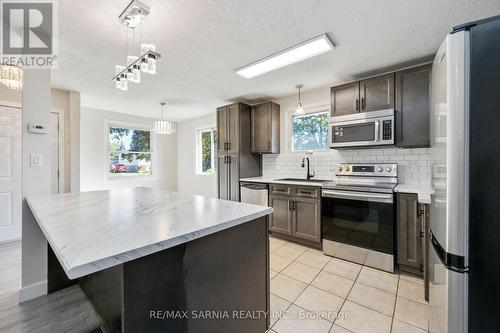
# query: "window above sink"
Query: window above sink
{"points": [[309, 132]]}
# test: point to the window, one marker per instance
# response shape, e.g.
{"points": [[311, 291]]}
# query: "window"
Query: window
{"points": [[207, 141], [310, 131], [129, 152]]}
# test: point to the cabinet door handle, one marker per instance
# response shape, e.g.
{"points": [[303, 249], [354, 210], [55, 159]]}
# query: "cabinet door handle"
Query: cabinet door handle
{"points": [[363, 103], [229, 146], [289, 205], [357, 104]]}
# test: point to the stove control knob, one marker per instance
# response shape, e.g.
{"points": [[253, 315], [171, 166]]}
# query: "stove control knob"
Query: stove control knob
{"points": [[380, 169], [347, 168], [341, 169], [388, 169]]}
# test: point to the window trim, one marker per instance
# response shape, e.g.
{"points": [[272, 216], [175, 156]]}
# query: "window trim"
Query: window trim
{"points": [[152, 137], [308, 110], [198, 170]]}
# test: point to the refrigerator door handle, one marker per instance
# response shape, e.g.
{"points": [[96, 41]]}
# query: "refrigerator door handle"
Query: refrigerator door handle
{"points": [[451, 261]]}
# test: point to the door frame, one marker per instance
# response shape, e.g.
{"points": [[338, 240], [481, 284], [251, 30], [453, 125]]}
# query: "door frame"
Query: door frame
{"points": [[16, 105], [60, 130]]}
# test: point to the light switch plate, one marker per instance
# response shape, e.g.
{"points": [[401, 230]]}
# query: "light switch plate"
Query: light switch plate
{"points": [[36, 160]]}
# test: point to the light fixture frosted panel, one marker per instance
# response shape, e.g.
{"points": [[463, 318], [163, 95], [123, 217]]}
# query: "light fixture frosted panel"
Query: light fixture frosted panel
{"points": [[149, 64], [134, 73], [294, 54]]}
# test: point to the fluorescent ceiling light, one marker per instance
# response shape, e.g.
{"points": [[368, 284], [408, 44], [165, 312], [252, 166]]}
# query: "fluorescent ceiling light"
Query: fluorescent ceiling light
{"points": [[292, 55]]}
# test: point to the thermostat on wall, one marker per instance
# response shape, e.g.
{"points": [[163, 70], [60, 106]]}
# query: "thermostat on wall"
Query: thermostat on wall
{"points": [[37, 128]]}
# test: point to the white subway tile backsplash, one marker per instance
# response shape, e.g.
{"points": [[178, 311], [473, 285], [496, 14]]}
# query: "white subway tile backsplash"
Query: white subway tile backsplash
{"points": [[413, 164]]}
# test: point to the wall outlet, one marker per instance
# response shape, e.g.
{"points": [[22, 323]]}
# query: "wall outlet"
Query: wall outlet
{"points": [[36, 160]]}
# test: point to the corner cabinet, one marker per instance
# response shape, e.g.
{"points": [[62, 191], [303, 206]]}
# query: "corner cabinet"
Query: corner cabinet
{"points": [[296, 213], [413, 107], [265, 133]]}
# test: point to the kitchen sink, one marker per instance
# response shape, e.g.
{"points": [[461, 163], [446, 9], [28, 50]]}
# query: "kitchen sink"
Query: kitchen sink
{"points": [[304, 180]]}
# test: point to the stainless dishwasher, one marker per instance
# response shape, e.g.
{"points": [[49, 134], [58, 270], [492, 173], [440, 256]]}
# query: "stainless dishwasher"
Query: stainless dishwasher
{"points": [[254, 193]]}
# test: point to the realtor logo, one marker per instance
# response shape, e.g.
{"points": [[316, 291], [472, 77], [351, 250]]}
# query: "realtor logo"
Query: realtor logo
{"points": [[28, 33]]}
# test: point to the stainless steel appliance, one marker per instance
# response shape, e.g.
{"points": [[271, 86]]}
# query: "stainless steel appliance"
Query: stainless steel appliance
{"points": [[465, 146], [358, 214], [254, 193], [375, 128]]}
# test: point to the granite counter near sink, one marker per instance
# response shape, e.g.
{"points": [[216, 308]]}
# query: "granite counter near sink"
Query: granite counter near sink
{"points": [[265, 180]]}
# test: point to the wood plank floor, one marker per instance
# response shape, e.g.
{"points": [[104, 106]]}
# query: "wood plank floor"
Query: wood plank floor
{"points": [[67, 310]]}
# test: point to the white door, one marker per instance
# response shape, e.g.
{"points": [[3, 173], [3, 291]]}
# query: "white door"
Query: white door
{"points": [[10, 173], [55, 152]]}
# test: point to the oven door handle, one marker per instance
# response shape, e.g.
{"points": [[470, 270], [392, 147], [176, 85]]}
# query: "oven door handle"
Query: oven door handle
{"points": [[361, 196]]}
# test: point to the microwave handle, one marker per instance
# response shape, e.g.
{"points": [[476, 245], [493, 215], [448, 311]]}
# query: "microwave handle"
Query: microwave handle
{"points": [[377, 130]]}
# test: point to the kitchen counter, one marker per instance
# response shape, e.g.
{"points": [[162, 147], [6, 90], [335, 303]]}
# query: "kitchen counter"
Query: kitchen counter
{"points": [[423, 192], [139, 250], [286, 182], [91, 231]]}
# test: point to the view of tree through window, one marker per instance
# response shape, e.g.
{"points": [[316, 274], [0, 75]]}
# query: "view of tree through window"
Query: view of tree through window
{"points": [[310, 131], [206, 150], [129, 151]]}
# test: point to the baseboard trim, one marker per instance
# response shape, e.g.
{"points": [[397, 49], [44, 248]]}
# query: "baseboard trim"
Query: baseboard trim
{"points": [[32, 291]]}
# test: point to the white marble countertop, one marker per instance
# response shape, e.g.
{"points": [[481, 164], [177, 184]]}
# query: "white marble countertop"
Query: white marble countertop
{"points": [[91, 231], [286, 182], [423, 192]]}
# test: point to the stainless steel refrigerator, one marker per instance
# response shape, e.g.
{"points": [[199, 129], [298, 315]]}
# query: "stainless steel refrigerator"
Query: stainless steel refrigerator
{"points": [[465, 209]]}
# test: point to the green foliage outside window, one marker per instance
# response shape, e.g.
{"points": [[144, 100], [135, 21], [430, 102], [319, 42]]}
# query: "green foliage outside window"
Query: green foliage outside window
{"points": [[310, 131], [129, 151], [207, 150]]}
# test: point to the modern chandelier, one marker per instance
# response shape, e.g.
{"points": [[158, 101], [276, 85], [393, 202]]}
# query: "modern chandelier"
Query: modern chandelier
{"points": [[132, 18], [11, 77], [163, 126]]}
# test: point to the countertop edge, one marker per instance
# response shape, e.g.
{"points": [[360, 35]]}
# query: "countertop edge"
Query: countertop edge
{"points": [[423, 194], [283, 182], [85, 269]]}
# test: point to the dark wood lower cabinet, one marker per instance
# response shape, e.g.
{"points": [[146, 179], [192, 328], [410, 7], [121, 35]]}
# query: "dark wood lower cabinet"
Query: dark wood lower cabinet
{"points": [[410, 234], [296, 213], [307, 219], [281, 219]]}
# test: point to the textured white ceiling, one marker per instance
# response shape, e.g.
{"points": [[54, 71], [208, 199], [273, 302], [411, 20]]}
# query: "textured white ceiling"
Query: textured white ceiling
{"points": [[203, 41]]}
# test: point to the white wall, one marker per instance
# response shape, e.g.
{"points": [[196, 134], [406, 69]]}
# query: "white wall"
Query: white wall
{"points": [[93, 150], [36, 108], [188, 181]]}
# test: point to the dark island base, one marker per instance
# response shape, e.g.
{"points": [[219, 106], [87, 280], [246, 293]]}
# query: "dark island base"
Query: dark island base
{"points": [[218, 283]]}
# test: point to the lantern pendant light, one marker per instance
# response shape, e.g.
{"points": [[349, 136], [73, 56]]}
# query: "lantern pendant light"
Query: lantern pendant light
{"points": [[163, 126]]}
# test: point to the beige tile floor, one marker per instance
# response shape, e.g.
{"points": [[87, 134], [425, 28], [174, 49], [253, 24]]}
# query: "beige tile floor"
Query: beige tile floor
{"points": [[308, 289]]}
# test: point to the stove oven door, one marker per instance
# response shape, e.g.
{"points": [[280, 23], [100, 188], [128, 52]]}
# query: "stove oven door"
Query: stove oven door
{"points": [[358, 226]]}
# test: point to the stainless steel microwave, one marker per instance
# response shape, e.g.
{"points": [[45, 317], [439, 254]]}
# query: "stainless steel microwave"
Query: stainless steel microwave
{"points": [[375, 128]]}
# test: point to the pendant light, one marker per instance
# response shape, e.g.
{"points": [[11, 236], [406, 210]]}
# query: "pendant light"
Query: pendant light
{"points": [[163, 126], [300, 108]]}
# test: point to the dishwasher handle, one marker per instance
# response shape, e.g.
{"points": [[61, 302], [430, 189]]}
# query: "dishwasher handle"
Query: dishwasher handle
{"points": [[254, 186]]}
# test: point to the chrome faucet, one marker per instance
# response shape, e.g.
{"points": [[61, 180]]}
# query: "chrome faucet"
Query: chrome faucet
{"points": [[309, 175]]}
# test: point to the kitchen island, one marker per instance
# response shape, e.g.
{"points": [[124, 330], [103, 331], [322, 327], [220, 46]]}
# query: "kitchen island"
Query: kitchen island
{"points": [[160, 261]]}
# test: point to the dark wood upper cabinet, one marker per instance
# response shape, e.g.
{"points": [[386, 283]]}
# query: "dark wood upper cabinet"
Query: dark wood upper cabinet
{"points": [[345, 99], [377, 93], [265, 130], [222, 128], [413, 107]]}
